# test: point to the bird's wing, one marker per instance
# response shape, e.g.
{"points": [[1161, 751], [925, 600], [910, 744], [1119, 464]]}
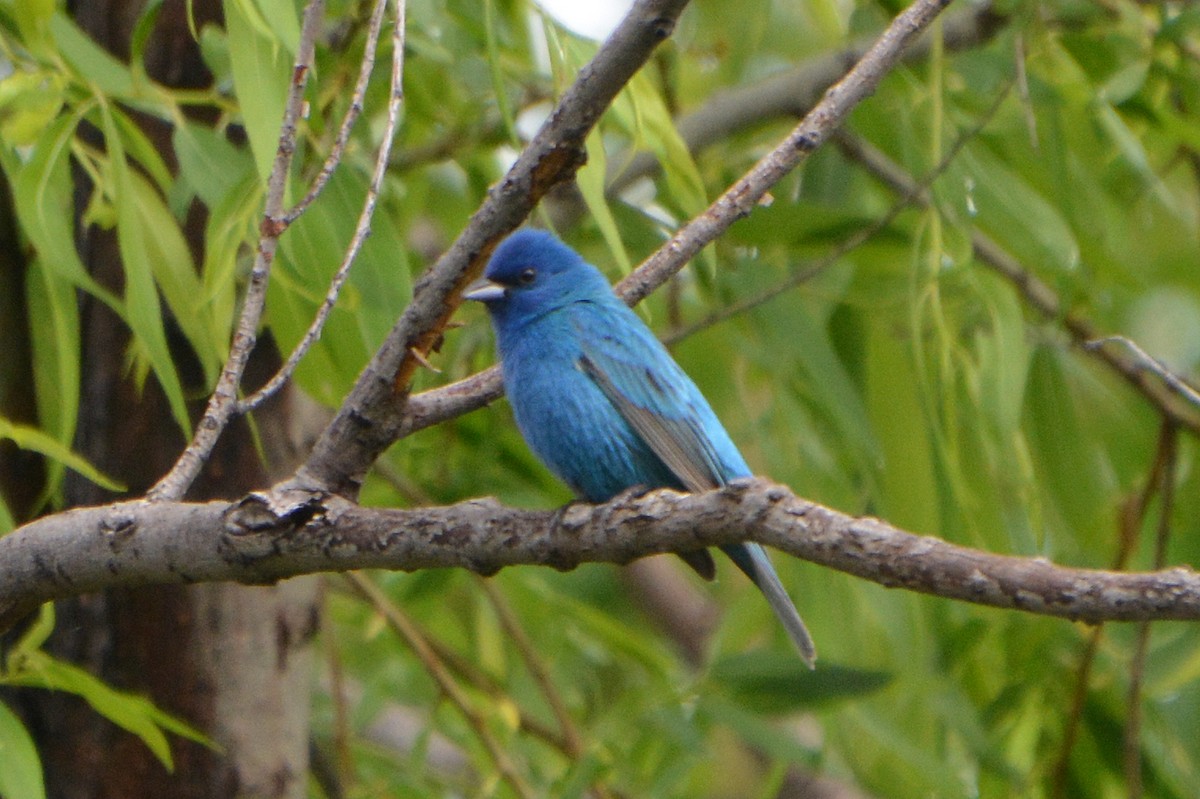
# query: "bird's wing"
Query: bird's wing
{"points": [[660, 403]]}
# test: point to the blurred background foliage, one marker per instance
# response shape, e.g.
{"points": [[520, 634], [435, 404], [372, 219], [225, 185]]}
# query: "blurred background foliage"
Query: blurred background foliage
{"points": [[901, 378]]}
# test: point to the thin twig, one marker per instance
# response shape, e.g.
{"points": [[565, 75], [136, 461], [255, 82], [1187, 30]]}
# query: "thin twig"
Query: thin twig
{"points": [[1132, 743], [433, 665], [788, 94], [366, 67], [222, 405], [363, 228], [1150, 364], [1132, 516], [1167, 399], [906, 200], [516, 633], [817, 126]]}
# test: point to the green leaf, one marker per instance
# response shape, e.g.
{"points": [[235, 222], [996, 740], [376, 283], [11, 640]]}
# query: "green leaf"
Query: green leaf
{"points": [[776, 682], [655, 125], [31, 438], [283, 21], [210, 164], [140, 247], [92, 64], [21, 776], [136, 714], [590, 180], [231, 227], [138, 147], [29, 103], [159, 241], [7, 522], [1019, 215], [33, 21], [33, 638], [44, 192], [55, 344], [261, 77]]}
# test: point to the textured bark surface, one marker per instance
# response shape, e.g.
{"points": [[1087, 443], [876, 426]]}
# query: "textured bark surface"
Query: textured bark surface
{"points": [[274, 535]]}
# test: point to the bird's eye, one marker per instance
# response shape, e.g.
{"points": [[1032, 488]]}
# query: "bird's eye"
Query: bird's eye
{"points": [[527, 276]]}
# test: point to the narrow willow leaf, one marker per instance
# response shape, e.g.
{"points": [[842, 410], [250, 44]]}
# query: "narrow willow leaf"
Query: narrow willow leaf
{"points": [[1018, 215], [209, 162], [21, 776], [910, 496], [140, 149], [283, 21], [33, 439], [133, 713], [261, 75], [775, 682], [658, 131], [92, 63], [55, 343], [7, 522], [33, 638], [144, 312], [590, 180], [228, 237], [160, 243], [45, 206]]}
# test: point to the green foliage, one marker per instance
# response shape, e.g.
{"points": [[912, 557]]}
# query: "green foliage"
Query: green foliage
{"points": [[26, 665], [903, 379], [21, 777]]}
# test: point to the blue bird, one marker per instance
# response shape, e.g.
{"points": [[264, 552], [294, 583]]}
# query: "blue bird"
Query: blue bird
{"points": [[600, 400]]}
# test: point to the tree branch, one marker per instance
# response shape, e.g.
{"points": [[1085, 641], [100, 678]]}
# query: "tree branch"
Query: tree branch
{"points": [[363, 228], [1166, 396], [736, 202], [269, 537], [371, 416], [223, 403], [793, 92]]}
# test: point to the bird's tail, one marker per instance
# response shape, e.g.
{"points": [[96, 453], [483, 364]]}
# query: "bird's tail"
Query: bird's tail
{"points": [[752, 559]]}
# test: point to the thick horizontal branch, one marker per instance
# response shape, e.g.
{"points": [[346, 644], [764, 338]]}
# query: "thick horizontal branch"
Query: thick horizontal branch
{"points": [[264, 538]]}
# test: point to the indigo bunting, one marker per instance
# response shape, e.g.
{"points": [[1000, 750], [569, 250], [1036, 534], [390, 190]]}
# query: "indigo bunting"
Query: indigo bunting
{"points": [[600, 400]]}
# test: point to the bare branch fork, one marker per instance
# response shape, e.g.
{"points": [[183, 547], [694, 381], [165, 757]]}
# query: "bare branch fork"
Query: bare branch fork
{"points": [[363, 228], [224, 404], [254, 540]]}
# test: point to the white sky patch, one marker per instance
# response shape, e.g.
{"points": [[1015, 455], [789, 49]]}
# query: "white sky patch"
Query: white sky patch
{"points": [[594, 19]]}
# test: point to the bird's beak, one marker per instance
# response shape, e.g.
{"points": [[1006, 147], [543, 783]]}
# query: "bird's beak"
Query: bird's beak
{"points": [[484, 290]]}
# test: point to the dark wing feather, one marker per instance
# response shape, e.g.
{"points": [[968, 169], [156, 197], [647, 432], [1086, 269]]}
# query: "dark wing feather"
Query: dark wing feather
{"points": [[677, 440], [679, 444]]}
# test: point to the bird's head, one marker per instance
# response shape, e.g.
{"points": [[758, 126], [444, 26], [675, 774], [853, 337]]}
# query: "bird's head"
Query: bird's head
{"points": [[531, 273]]}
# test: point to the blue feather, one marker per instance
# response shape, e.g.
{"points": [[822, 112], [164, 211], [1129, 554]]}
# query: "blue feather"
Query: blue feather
{"points": [[599, 399]]}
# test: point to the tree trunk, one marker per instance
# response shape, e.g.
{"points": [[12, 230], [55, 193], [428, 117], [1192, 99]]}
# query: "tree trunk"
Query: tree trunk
{"points": [[232, 660]]}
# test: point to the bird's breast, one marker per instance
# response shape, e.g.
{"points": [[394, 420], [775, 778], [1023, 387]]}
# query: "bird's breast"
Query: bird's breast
{"points": [[569, 423]]}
